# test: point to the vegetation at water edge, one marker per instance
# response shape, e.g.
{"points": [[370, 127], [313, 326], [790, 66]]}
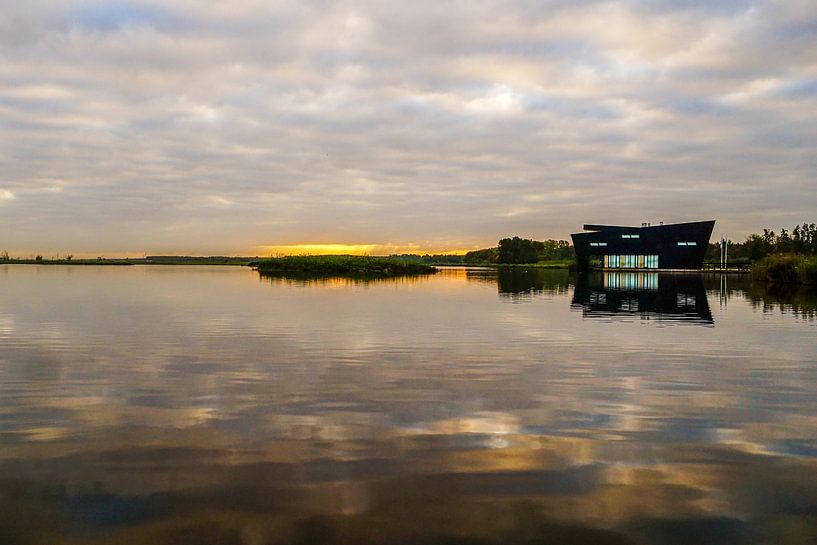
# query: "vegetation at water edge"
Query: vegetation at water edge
{"points": [[786, 269], [343, 265]]}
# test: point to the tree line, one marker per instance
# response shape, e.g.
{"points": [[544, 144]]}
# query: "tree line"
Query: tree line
{"points": [[516, 250], [801, 240]]}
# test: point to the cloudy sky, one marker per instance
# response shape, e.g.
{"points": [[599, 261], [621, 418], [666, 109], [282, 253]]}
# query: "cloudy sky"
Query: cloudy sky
{"points": [[239, 127]]}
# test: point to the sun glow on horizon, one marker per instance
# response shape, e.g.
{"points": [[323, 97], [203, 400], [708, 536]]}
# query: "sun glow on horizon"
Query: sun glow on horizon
{"points": [[353, 249]]}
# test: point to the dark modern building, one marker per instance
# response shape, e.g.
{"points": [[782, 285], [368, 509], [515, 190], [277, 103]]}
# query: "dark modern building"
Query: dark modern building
{"points": [[671, 246]]}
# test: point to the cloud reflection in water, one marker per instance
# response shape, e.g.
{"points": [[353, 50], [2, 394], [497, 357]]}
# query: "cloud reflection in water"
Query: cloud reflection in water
{"points": [[199, 405]]}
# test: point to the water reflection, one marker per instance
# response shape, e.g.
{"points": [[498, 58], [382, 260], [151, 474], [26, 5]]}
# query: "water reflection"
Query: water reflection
{"points": [[306, 279], [520, 284], [646, 296], [798, 300], [201, 405]]}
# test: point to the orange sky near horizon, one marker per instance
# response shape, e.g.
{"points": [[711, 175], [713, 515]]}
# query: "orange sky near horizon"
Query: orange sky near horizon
{"points": [[263, 251]]}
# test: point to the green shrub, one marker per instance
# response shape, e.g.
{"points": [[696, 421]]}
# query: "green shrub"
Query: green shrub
{"points": [[786, 269], [808, 273]]}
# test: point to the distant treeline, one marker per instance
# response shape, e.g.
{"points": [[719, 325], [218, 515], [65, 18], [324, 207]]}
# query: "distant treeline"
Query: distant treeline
{"points": [[801, 240], [67, 260], [516, 250], [508, 251], [431, 259], [196, 260], [149, 260]]}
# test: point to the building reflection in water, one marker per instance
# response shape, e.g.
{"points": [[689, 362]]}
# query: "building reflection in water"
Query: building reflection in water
{"points": [[649, 296]]}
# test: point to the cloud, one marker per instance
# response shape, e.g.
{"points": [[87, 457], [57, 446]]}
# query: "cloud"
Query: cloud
{"points": [[112, 16], [188, 125]]}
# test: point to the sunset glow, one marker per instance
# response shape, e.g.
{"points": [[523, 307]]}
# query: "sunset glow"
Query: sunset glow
{"points": [[352, 249]]}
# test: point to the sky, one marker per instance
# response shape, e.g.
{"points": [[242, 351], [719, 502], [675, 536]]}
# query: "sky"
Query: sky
{"points": [[258, 127]]}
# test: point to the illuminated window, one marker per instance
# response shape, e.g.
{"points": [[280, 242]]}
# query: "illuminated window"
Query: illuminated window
{"points": [[651, 261], [629, 261], [687, 244], [629, 236], [598, 244]]}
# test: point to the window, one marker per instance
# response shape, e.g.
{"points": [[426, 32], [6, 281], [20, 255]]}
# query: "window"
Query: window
{"points": [[630, 236], [598, 244], [631, 261], [687, 244]]}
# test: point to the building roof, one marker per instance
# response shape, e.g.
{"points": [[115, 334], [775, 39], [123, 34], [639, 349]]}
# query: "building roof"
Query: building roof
{"points": [[594, 227]]}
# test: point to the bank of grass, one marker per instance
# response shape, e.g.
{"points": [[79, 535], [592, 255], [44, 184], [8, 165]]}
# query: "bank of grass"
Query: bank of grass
{"points": [[343, 265], [786, 269]]}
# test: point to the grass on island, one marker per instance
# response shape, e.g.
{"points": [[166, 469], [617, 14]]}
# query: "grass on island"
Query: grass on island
{"points": [[342, 265]]}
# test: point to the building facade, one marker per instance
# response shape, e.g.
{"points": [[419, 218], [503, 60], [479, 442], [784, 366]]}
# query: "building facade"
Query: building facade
{"points": [[671, 246]]}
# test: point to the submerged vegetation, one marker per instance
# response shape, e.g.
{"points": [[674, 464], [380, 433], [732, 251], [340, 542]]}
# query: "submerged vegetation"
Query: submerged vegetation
{"points": [[342, 265]]}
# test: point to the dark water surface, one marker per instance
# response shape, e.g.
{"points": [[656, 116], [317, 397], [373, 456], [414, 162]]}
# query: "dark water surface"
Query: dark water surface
{"points": [[175, 405]]}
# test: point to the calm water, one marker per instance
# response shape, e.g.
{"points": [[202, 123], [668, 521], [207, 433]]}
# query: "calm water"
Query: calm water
{"points": [[208, 405]]}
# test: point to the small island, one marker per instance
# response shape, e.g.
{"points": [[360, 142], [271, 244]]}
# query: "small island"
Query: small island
{"points": [[342, 265]]}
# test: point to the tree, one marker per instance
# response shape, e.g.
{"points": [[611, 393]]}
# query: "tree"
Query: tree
{"points": [[519, 250], [784, 243], [487, 255], [756, 247]]}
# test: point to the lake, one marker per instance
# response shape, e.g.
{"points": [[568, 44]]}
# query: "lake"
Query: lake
{"points": [[164, 404]]}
